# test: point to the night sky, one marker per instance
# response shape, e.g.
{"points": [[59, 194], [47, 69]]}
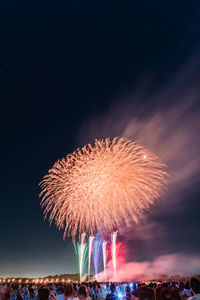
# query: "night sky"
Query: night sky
{"points": [[64, 65]]}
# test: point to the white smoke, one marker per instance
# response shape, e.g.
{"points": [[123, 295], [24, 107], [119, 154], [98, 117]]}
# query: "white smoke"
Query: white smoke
{"points": [[165, 120]]}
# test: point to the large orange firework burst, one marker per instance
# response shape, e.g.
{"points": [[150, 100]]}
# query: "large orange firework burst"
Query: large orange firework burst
{"points": [[97, 188]]}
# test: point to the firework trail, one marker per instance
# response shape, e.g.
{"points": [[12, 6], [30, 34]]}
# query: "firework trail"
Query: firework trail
{"points": [[96, 188], [81, 251], [96, 254], [89, 255], [114, 254], [104, 258]]}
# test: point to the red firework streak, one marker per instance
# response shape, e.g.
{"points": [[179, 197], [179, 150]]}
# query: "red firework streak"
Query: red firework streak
{"points": [[114, 251]]}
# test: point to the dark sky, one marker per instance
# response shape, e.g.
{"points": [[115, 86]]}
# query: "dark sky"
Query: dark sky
{"points": [[61, 63]]}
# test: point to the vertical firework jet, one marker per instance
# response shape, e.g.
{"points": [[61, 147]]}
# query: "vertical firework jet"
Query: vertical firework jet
{"points": [[81, 251], [99, 187], [114, 254], [104, 258], [89, 255], [96, 254]]}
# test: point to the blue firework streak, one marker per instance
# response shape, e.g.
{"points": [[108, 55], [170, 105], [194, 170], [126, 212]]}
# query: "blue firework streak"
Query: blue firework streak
{"points": [[97, 254]]}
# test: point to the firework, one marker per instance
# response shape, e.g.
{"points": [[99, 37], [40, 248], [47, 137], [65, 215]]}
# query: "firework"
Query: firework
{"points": [[113, 252], [89, 255], [81, 251], [96, 254], [99, 187], [104, 258]]}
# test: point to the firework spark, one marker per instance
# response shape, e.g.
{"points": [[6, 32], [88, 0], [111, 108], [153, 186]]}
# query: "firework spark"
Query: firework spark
{"points": [[98, 187]]}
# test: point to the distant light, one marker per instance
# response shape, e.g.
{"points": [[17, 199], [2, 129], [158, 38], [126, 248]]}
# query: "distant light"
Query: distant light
{"points": [[120, 295], [145, 156]]}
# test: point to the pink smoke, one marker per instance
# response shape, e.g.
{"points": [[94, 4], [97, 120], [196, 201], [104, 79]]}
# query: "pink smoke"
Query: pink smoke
{"points": [[159, 268]]}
